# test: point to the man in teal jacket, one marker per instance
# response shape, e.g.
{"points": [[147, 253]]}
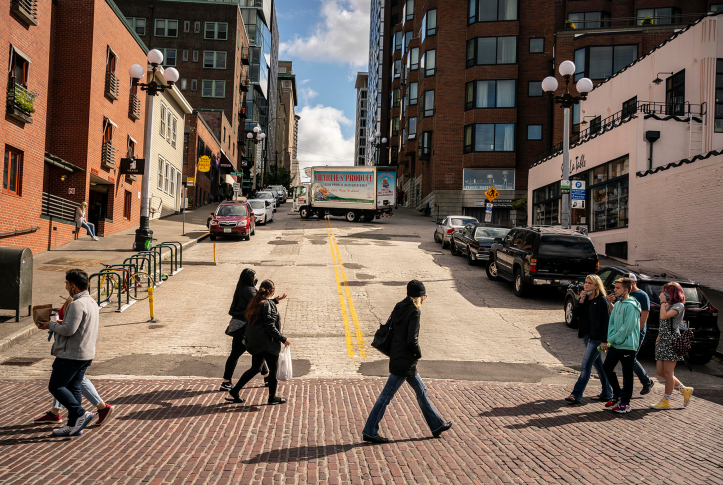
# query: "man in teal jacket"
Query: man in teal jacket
{"points": [[622, 345]]}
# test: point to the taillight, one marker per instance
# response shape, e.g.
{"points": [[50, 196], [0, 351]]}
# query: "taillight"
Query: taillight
{"points": [[564, 233], [712, 309], [533, 265], [597, 266], [450, 231]]}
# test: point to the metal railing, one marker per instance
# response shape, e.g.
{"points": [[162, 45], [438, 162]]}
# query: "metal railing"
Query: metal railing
{"points": [[112, 85], [29, 8], [134, 107], [20, 98], [108, 155], [653, 21], [245, 56], [58, 207]]}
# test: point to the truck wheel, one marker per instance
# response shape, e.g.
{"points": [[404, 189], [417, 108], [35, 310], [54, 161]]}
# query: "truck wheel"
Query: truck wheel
{"points": [[492, 270], [304, 213], [520, 285], [352, 216], [569, 305]]}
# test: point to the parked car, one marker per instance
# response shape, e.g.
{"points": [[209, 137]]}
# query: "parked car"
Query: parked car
{"points": [[444, 229], [262, 210], [277, 195], [474, 241], [541, 256], [282, 190], [233, 219], [700, 314], [266, 195]]}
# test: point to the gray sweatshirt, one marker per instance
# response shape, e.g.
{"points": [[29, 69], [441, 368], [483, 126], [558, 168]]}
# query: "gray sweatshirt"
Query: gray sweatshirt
{"points": [[77, 334]]}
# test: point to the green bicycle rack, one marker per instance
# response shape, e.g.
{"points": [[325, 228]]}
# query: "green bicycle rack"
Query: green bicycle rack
{"points": [[176, 258]]}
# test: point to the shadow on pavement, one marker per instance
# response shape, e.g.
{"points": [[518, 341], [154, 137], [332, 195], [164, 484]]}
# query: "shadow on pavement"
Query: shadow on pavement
{"points": [[161, 396], [187, 411]]}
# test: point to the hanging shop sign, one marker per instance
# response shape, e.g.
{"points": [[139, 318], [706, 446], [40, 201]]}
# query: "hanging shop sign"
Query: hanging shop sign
{"points": [[204, 164], [132, 166]]}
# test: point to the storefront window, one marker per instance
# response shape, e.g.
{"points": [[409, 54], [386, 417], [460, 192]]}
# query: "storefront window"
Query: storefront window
{"points": [[609, 206]]}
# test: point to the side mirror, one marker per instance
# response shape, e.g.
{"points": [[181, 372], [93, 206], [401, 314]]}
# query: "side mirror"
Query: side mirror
{"points": [[498, 240]]}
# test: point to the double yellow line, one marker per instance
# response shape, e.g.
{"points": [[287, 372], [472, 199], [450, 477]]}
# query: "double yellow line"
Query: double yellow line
{"points": [[340, 274]]}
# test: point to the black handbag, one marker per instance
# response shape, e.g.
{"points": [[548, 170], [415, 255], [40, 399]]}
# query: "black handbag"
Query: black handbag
{"points": [[683, 342], [383, 337]]}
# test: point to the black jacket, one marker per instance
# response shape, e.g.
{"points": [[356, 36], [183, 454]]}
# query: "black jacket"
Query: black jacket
{"points": [[405, 351], [592, 317], [245, 290], [265, 334]]}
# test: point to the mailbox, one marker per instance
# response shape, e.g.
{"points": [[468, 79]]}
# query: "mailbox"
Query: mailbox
{"points": [[16, 273]]}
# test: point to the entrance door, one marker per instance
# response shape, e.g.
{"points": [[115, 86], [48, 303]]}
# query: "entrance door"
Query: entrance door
{"points": [[97, 203]]}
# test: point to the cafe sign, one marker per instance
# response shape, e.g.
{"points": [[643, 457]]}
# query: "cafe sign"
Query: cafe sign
{"points": [[204, 163]]}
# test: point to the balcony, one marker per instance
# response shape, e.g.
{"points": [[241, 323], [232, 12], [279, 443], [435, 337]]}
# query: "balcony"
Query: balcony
{"points": [[675, 20], [245, 56], [21, 103], [108, 156], [26, 10], [112, 85], [134, 107], [245, 85]]}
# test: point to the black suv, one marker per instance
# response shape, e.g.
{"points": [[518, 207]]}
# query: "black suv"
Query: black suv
{"points": [[537, 256], [700, 314]]}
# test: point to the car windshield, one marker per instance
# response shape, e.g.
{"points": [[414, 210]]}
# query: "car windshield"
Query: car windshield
{"points": [[461, 221], [694, 297], [231, 210], [492, 232], [566, 246], [264, 195], [278, 188], [257, 204]]}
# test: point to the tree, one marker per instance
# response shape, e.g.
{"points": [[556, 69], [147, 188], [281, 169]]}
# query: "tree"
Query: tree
{"points": [[278, 176]]}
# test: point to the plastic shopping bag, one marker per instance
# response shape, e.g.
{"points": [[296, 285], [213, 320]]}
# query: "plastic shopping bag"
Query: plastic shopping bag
{"points": [[283, 371]]}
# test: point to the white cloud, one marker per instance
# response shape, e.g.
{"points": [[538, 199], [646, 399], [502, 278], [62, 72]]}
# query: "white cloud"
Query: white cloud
{"points": [[321, 141], [307, 94], [341, 36]]}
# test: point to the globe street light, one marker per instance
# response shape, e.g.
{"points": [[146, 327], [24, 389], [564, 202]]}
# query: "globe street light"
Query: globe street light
{"points": [[375, 142], [567, 101]]}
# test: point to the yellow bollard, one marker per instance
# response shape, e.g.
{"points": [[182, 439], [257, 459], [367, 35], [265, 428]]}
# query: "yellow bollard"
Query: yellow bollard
{"points": [[150, 303], [214, 252]]}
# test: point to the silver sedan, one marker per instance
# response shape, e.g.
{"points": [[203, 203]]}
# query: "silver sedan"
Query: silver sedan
{"points": [[444, 229]]}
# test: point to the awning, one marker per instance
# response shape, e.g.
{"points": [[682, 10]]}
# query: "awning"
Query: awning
{"points": [[110, 121], [230, 179], [60, 163]]}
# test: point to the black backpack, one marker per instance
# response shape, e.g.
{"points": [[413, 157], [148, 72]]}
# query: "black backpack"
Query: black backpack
{"points": [[383, 337]]}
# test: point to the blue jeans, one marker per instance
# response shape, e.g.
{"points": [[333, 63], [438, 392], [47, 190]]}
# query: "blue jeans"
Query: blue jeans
{"points": [[434, 420], [88, 227], [591, 358], [65, 384], [87, 389], [637, 368]]}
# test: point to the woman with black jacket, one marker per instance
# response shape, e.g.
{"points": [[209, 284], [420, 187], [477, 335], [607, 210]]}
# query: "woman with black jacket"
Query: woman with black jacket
{"points": [[245, 291], [592, 314], [263, 336], [403, 357]]}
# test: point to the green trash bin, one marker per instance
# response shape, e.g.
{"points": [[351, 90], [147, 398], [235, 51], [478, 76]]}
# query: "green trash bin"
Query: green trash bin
{"points": [[16, 273]]}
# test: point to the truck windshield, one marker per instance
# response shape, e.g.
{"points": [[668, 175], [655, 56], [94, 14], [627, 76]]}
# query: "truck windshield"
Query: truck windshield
{"points": [[566, 246]]}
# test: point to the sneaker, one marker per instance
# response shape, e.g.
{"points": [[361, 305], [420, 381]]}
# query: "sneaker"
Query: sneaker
{"points": [[647, 387], [96, 238], [81, 423], [686, 392], [48, 418], [276, 400], [64, 431], [104, 415], [663, 404], [441, 430], [226, 386], [622, 408], [612, 402]]}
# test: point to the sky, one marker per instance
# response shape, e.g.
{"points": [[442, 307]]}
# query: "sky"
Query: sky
{"points": [[328, 43]]}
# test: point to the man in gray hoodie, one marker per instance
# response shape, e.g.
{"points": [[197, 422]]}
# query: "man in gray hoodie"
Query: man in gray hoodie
{"points": [[74, 350]]}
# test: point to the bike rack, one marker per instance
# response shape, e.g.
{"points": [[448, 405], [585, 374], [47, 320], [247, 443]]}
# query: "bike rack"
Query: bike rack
{"points": [[139, 260], [127, 272], [176, 250], [153, 271], [108, 285]]}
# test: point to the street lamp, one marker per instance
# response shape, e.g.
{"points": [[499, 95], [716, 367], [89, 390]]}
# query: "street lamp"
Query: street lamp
{"points": [[256, 135], [375, 142], [144, 235], [566, 100]]}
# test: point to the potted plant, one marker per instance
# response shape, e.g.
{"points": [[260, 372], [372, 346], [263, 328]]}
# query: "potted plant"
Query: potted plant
{"points": [[647, 21], [569, 24], [518, 213]]}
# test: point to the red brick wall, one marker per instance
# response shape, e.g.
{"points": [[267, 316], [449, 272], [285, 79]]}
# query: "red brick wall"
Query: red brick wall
{"points": [[197, 130]]}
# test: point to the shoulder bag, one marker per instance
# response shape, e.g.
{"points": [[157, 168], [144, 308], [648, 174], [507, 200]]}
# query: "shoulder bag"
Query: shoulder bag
{"points": [[682, 343], [383, 337], [234, 326]]}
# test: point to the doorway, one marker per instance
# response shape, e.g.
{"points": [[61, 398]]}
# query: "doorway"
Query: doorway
{"points": [[98, 201]]}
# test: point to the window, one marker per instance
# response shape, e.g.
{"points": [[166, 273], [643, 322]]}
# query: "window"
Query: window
{"points": [[169, 56], [161, 168], [407, 40], [489, 137], [428, 64], [491, 50], [412, 128], [427, 104], [186, 25], [718, 123], [589, 20], [395, 126], [409, 9], [12, 171], [213, 89], [197, 27], [630, 107], [492, 10], [363, 113], [127, 205], [168, 126], [484, 178], [534, 89], [395, 20], [394, 154], [173, 132], [429, 24], [362, 150], [490, 94], [412, 93], [363, 95], [163, 120], [413, 61], [172, 185], [166, 28], [397, 68], [360, 161], [216, 30], [537, 46], [608, 201], [424, 145], [534, 132], [195, 56], [675, 94], [603, 61], [362, 133], [398, 40], [194, 84], [214, 59], [660, 16], [596, 124], [138, 25], [167, 178]]}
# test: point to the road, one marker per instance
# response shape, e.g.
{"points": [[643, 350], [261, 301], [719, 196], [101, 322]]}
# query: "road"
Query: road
{"points": [[496, 364]]}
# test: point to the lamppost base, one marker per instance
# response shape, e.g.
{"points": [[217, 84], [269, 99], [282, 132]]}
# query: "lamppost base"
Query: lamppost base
{"points": [[144, 236]]}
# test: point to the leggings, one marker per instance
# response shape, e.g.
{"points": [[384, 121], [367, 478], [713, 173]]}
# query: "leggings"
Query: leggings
{"points": [[256, 361], [237, 350]]}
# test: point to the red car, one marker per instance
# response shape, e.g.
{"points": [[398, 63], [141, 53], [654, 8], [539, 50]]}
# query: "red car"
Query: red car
{"points": [[233, 219]]}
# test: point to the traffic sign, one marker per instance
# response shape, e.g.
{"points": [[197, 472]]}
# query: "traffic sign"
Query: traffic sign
{"points": [[492, 194], [204, 163], [578, 204], [578, 191], [488, 213], [236, 187], [565, 184]]}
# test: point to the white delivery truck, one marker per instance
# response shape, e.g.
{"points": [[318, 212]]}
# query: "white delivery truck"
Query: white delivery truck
{"points": [[356, 193]]}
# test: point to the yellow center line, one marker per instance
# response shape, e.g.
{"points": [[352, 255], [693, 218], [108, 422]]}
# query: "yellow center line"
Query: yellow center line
{"points": [[344, 315]]}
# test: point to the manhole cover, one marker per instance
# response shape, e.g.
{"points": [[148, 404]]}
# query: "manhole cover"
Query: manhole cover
{"points": [[86, 263], [22, 361]]}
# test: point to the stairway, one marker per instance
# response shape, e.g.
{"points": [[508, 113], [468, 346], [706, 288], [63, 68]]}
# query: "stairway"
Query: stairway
{"points": [[695, 137]]}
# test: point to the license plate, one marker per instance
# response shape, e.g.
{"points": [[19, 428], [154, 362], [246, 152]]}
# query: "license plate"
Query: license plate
{"points": [[565, 282], [227, 230]]}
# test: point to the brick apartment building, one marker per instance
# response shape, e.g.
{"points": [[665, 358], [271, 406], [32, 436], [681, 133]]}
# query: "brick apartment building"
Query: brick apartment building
{"points": [[64, 147], [465, 107], [285, 121], [361, 151], [199, 140]]}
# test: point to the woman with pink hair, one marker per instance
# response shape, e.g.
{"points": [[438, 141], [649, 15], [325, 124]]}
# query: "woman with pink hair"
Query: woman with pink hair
{"points": [[672, 310]]}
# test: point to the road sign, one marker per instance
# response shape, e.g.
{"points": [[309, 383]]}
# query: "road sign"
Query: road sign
{"points": [[488, 213], [578, 204], [237, 174], [578, 191], [204, 164], [236, 187], [190, 181], [492, 194], [565, 184]]}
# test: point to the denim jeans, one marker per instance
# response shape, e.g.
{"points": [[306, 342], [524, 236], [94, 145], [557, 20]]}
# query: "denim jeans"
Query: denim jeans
{"points": [[591, 358], [87, 389], [639, 369], [88, 227], [434, 420], [65, 385]]}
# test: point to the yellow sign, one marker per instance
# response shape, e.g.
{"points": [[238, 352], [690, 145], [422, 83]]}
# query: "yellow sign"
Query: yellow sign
{"points": [[190, 181], [492, 194], [204, 164]]}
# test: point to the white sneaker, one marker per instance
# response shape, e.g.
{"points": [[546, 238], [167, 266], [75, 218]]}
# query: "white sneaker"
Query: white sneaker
{"points": [[64, 431], [95, 238], [81, 423]]}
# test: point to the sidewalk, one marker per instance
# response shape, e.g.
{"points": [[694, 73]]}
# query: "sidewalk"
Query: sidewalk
{"points": [[49, 267]]}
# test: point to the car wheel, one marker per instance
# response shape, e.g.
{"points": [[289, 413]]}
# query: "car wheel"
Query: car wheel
{"points": [[453, 248], [213, 238], [445, 245], [470, 261], [352, 216], [253, 231], [569, 305], [436, 237], [520, 285], [699, 358], [304, 213], [492, 271]]}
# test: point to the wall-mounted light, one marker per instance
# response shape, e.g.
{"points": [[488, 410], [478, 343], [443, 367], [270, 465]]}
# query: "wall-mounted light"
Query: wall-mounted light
{"points": [[63, 178], [657, 79]]}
